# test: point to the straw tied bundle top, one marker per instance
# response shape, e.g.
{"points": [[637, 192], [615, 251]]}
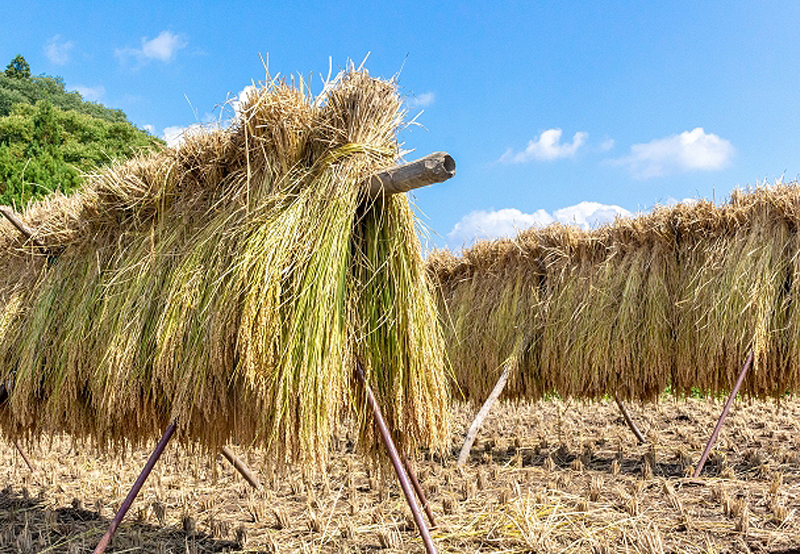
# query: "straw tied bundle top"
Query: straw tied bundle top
{"points": [[232, 283], [673, 299]]}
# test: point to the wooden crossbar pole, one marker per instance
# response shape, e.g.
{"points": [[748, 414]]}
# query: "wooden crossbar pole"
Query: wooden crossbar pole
{"points": [[9, 214], [433, 168]]}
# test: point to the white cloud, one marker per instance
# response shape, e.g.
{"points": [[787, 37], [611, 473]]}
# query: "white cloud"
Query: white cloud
{"points": [[547, 146], [176, 135], [483, 224], [149, 128], [93, 94], [241, 98], [422, 100], [670, 201], [688, 151], [607, 145], [162, 48], [57, 50], [587, 215]]}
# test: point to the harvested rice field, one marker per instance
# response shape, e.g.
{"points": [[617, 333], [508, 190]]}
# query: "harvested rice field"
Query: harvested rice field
{"points": [[551, 476]]}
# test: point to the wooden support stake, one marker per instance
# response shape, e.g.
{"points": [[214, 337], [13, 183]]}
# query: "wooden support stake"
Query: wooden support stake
{"points": [[24, 457], [433, 168], [398, 465], [722, 417], [629, 421], [463, 456], [248, 475], [104, 542], [418, 489]]}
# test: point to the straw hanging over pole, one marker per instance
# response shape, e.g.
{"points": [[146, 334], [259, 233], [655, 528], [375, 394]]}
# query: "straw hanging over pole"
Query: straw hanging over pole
{"points": [[236, 273]]}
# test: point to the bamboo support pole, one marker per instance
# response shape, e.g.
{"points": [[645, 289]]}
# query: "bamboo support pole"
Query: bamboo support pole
{"points": [[629, 421], [433, 168], [418, 489], [396, 462], [240, 466], [104, 542], [748, 362], [472, 434]]}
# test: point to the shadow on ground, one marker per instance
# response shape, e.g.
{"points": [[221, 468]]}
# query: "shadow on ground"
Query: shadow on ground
{"points": [[28, 525]]}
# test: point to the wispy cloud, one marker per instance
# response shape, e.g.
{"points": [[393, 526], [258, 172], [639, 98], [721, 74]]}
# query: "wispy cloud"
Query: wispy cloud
{"points": [[507, 222], [57, 50], [163, 48], [94, 94], [422, 100], [607, 144], [547, 146], [693, 150]]}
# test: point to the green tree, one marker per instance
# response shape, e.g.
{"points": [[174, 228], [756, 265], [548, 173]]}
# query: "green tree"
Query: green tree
{"points": [[18, 68], [51, 138]]}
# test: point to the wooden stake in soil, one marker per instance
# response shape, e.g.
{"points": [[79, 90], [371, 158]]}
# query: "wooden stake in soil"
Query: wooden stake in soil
{"points": [[248, 475], [104, 542], [629, 421], [463, 456], [24, 457], [418, 489], [727, 407], [396, 462]]}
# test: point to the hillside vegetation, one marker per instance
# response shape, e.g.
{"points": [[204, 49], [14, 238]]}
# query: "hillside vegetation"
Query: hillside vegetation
{"points": [[50, 137]]}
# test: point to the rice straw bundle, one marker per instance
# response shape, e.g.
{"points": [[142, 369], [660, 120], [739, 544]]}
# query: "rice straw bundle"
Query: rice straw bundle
{"points": [[231, 283], [675, 298]]}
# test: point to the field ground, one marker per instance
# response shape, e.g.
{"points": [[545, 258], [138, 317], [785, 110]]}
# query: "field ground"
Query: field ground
{"points": [[546, 477]]}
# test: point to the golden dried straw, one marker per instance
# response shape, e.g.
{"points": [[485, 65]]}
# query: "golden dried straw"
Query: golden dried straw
{"points": [[230, 283], [672, 299]]}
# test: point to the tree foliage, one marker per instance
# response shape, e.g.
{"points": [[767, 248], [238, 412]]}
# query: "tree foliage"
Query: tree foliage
{"points": [[50, 137], [18, 68]]}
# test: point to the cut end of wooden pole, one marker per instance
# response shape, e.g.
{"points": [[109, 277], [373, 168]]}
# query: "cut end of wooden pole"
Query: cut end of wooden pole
{"points": [[433, 168]]}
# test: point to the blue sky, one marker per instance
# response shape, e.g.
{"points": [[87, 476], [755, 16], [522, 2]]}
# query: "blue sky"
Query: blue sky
{"points": [[570, 111]]}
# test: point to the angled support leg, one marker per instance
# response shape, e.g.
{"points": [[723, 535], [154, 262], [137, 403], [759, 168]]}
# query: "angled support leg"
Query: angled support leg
{"points": [[240, 466], [722, 417], [418, 489], [104, 542], [396, 462], [24, 457], [629, 421], [472, 434]]}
